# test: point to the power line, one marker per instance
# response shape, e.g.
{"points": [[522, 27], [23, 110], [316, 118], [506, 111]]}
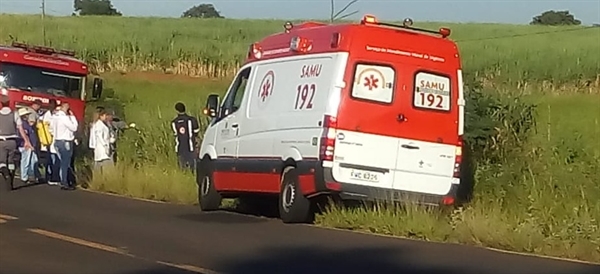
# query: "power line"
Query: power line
{"points": [[525, 34], [43, 25]]}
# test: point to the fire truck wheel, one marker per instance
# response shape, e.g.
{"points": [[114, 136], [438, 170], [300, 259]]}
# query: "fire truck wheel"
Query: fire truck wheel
{"points": [[294, 207], [208, 197]]}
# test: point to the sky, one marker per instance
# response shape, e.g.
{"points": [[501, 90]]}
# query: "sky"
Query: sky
{"points": [[493, 11]]}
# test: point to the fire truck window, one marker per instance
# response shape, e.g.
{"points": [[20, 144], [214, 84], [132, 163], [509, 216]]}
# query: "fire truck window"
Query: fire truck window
{"points": [[41, 80]]}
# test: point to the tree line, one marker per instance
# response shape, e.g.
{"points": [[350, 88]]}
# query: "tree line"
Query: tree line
{"points": [[105, 7]]}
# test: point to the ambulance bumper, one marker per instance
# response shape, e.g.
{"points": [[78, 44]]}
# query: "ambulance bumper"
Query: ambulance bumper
{"points": [[367, 193]]}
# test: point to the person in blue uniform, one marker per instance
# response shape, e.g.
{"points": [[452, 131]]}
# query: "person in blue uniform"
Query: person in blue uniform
{"points": [[186, 131]]}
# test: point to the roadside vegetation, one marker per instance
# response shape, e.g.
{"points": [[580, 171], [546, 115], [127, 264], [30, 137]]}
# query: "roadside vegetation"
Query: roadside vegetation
{"points": [[532, 123]]}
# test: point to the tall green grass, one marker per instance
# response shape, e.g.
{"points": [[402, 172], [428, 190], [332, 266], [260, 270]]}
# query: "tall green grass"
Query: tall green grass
{"points": [[215, 47], [537, 168]]}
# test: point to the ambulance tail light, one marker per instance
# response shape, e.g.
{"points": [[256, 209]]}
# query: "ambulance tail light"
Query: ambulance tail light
{"points": [[327, 145], [458, 156]]}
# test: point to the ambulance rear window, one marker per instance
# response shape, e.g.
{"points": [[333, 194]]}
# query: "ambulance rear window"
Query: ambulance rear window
{"points": [[374, 83], [432, 91]]}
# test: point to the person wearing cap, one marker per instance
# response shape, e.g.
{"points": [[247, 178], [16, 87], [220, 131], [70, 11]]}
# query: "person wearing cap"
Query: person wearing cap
{"points": [[10, 129], [64, 125], [28, 155], [186, 130]]}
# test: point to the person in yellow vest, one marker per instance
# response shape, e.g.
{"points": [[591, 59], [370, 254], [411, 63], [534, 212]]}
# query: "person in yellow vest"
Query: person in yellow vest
{"points": [[47, 149]]}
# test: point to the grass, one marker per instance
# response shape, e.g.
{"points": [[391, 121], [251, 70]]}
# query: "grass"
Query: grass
{"points": [[214, 47], [536, 190]]}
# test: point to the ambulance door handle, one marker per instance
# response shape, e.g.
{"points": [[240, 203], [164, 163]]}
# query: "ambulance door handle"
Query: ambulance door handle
{"points": [[234, 125], [409, 146]]}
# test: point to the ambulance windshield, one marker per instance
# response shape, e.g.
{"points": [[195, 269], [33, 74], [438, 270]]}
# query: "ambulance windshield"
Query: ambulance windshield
{"points": [[41, 80]]}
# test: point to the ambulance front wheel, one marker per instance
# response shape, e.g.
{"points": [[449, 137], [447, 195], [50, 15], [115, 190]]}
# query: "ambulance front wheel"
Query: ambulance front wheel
{"points": [[208, 196], [294, 207]]}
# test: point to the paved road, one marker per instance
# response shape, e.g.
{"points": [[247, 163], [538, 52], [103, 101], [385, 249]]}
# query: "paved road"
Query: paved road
{"points": [[45, 230]]}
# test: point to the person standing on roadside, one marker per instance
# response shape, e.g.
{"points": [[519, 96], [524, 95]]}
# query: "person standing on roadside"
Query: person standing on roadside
{"points": [[29, 157], [92, 141], [47, 147], [186, 132], [10, 128], [100, 137], [64, 125]]}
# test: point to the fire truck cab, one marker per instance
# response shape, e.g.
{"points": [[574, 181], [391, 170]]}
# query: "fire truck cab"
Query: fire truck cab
{"points": [[30, 72], [367, 111]]}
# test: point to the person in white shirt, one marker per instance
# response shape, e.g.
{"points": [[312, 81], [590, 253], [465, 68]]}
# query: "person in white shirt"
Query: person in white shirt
{"points": [[100, 139], [64, 125]]}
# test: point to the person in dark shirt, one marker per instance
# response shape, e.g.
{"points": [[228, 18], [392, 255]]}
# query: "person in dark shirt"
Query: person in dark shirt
{"points": [[29, 157], [186, 130]]}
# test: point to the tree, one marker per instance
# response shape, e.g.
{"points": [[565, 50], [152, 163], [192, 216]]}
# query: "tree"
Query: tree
{"points": [[555, 18], [202, 11], [95, 7]]}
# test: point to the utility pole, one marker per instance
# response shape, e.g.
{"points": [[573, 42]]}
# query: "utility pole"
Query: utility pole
{"points": [[43, 25]]}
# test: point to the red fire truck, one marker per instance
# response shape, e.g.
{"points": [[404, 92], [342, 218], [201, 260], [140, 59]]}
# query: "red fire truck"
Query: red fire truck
{"points": [[29, 73]]}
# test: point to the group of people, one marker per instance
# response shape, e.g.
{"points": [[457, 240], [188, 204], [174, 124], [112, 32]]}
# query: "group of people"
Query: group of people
{"points": [[33, 132], [103, 136], [50, 135], [104, 133]]}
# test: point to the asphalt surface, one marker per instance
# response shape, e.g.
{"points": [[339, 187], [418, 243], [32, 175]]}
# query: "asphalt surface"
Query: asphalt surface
{"points": [[46, 230]]}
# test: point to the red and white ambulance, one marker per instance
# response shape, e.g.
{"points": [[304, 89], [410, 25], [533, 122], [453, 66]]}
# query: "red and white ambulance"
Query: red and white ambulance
{"points": [[367, 111]]}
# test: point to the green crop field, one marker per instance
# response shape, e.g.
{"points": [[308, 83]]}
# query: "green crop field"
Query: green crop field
{"points": [[214, 47], [532, 122]]}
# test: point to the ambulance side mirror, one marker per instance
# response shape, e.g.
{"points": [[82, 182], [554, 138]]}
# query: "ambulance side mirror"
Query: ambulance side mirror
{"points": [[97, 88], [212, 106]]}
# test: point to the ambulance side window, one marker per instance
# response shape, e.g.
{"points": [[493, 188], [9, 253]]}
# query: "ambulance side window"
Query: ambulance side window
{"points": [[234, 98]]}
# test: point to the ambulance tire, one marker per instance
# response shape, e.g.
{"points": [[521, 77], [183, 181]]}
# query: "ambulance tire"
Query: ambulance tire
{"points": [[294, 207], [208, 197]]}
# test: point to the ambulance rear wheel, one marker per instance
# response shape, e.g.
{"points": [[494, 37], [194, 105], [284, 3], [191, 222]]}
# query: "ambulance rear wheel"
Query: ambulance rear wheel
{"points": [[294, 207], [208, 196]]}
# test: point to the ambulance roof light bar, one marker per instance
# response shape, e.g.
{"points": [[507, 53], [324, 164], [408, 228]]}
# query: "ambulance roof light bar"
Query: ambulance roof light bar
{"points": [[369, 19], [42, 49], [406, 24]]}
